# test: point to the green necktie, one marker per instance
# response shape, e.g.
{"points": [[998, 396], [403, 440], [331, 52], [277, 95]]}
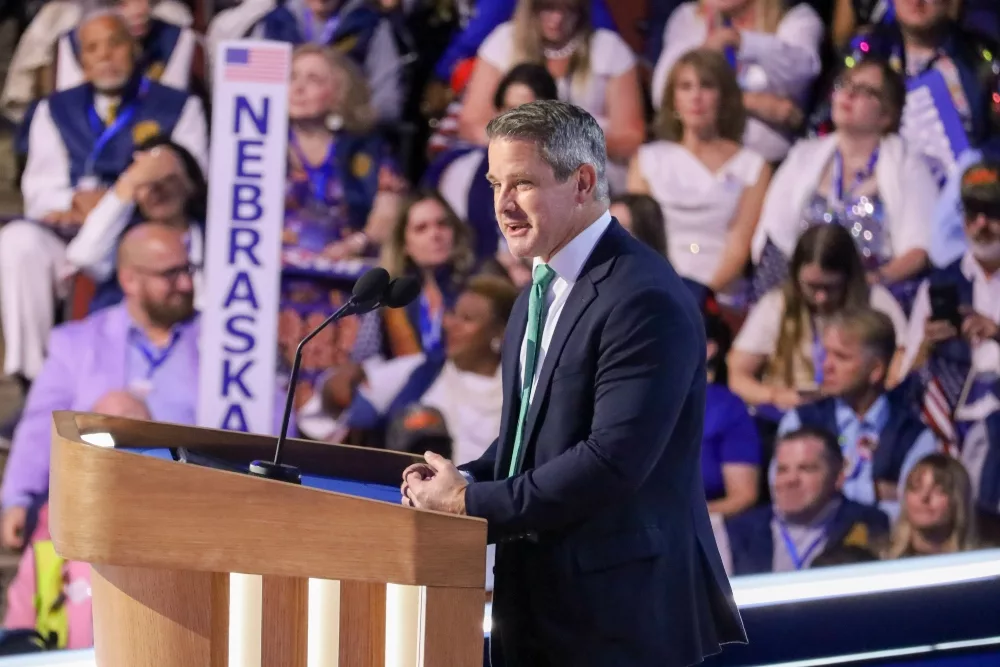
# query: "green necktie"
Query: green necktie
{"points": [[541, 277]]}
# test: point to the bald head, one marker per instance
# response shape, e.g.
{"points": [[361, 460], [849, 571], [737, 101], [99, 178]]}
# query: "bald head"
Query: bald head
{"points": [[144, 244], [107, 51]]}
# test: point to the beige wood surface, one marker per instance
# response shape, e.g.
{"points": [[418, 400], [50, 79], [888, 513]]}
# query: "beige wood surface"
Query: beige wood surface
{"points": [[453, 627], [160, 618], [284, 621]]}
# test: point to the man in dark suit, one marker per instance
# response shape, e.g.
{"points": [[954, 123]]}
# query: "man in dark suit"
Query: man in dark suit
{"points": [[593, 490]]}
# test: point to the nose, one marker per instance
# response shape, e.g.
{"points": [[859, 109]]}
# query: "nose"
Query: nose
{"points": [[185, 283], [977, 223]]}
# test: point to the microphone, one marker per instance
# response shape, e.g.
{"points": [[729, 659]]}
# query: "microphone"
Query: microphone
{"points": [[371, 288], [401, 292]]}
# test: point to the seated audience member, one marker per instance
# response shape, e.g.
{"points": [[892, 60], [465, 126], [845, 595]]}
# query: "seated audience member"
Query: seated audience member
{"points": [[342, 198], [593, 68], [79, 142], [952, 75], [375, 38], [937, 513], [164, 184], [147, 346], [166, 50], [463, 383], [861, 177], [485, 16], [774, 52], [730, 446], [459, 174], [808, 515], [710, 187], [880, 432], [31, 75], [953, 334], [642, 217], [49, 594], [777, 355], [343, 189], [948, 241]]}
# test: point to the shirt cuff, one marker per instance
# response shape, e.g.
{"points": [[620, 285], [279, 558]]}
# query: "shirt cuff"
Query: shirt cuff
{"points": [[468, 476]]}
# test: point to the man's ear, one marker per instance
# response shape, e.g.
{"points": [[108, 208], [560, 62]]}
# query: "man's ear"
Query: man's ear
{"points": [[586, 182]]}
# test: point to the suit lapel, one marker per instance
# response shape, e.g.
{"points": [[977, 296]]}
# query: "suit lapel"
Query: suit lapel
{"points": [[580, 297], [111, 356], [509, 368]]}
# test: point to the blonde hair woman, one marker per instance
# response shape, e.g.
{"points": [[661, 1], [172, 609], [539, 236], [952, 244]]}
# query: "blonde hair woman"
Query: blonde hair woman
{"points": [[937, 513], [710, 187], [774, 53], [593, 68]]}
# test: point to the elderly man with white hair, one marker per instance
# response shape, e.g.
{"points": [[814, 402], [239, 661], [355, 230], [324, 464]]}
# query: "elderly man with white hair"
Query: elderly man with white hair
{"points": [[78, 142]]}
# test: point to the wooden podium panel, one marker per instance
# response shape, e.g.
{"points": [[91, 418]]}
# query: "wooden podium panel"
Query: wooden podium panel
{"points": [[163, 537]]}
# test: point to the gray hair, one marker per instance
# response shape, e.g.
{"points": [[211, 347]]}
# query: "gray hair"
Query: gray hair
{"points": [[103, 10], [566, 136]]}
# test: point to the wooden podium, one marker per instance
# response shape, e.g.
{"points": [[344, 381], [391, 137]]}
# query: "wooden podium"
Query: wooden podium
{"points": [[163, 537]]}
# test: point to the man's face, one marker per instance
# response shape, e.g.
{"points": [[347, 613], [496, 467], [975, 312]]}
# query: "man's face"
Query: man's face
{"points": [[804, 480], [107, 54], [534, 210], [164, 287], [921, 14], [848, 366]]}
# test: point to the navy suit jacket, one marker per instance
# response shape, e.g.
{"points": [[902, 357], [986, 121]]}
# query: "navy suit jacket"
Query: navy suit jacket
{"points": [[606, 554]]}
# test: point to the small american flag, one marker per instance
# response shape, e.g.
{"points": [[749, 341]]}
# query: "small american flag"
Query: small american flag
{"points": [[937, 414], [255, 64]]}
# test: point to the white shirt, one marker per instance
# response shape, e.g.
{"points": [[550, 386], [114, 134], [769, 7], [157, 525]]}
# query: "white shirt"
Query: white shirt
{"points": [[985, 301], [784, 63], [568, 264], [46, 182], [699, 205]]}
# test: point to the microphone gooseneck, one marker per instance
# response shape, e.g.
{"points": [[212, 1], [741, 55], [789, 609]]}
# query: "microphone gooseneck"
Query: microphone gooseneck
{"points": [[369, 289]]}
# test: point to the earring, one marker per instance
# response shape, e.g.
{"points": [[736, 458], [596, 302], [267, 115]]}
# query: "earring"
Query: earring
{"points": [[495, 345], [334, 122]]}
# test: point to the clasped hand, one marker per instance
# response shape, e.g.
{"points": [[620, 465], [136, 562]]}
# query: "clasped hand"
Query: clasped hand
{"points": [[434, 485], [975, 328]]}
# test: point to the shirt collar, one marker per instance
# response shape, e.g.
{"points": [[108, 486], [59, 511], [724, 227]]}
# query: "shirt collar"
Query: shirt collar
{"points": [[568, 263], [137, 334], [876, 416]]}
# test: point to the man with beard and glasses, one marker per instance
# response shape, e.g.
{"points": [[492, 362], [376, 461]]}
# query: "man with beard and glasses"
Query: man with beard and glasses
{"points": [[147, 347], [954, 338]]}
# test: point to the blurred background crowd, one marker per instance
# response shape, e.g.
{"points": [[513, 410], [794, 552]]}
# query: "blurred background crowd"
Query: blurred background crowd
{"points": [[825, 174]]}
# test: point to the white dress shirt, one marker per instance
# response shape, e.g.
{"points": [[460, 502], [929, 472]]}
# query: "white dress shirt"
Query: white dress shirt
{"points": [[46, 182], [568, 264]]}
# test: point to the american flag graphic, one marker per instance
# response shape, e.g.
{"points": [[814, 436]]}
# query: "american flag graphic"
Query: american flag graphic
{"points": [[937, 414], [255, 64]]}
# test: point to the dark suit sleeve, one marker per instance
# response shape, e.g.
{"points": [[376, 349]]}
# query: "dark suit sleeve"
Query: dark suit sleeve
{"points": [[482, 468], [649, 351]]}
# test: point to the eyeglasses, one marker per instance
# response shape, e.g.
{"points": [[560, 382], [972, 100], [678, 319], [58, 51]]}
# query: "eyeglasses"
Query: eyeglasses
{"points": [[828, 287], [859, 89], [172, 274], [973, 208]]}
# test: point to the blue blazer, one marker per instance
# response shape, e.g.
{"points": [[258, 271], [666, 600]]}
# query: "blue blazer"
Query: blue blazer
{"points": [[606, 553]]}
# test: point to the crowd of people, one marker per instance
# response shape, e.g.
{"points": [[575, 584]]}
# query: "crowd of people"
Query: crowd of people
{"points": [[824, 174]]}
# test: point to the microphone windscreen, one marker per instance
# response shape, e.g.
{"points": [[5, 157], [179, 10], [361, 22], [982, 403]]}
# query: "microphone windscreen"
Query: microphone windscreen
{"points": [[371, 285], [401, 291]]}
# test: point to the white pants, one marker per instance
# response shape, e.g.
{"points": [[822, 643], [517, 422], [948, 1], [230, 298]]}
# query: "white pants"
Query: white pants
{"points": [[32, 277]]}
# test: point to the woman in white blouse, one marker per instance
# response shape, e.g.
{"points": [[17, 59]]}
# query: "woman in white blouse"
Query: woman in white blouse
{"points": [[709, 186], [774, 52], [862, 177], [593, 69]]}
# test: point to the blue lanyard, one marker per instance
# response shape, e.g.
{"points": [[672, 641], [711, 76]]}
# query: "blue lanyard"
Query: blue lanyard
{"points": [[837, 190], [329, 27], [800, 560], [729, 51], [105, 134], [430, 326], [818, 354], [319, 176], [155, 357]]}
